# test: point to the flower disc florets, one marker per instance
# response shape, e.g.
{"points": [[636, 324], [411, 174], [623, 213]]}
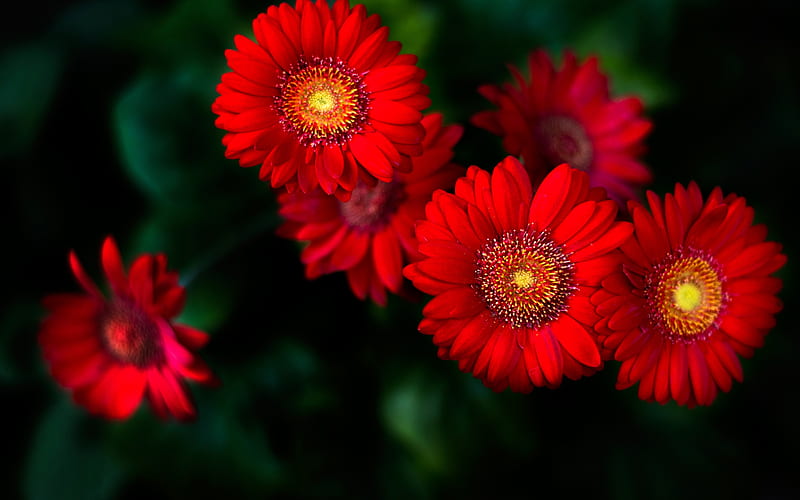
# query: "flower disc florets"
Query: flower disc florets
{"points": [[321, 101]]}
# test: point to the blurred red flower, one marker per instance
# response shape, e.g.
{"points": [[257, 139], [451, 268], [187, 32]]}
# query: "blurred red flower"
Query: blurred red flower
{"points": [[110, 352], [567, 116], [371, 236]]}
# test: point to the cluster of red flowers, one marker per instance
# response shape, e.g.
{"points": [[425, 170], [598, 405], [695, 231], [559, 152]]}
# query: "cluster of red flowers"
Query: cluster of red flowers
{"points": [[546, 265]]}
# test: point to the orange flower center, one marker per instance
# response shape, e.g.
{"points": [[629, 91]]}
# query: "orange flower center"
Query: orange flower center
{"points": [[130, 335], [563, 139], [371, 207], [524, 278], [685, 295], [322, 102]]}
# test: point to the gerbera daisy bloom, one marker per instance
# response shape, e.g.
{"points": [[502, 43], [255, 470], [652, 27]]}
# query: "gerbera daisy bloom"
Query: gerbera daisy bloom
{"points": [[695, 292], [371, 236], [111, 351], [567, 116], [511, 273], [321, 98]]}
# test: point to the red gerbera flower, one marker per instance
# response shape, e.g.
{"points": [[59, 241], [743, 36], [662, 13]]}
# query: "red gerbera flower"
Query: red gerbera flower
{"points": [[567, 116], [695, 292], [321, 98], [111, 351], [512, 272], [371, 236]]}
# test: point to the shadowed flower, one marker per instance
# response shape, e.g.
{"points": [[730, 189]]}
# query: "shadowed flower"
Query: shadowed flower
{"points": [[567, 116], [371, 236], [512, 271], [694, 293], [321, 98], [110, 352]]}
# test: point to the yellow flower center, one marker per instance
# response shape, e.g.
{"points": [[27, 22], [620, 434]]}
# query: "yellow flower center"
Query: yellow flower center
{"points": [[322, 102], [685, 295], [524, 278]]}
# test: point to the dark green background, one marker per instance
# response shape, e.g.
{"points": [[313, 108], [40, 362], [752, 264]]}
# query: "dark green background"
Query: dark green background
{"points": [[106, 128]]}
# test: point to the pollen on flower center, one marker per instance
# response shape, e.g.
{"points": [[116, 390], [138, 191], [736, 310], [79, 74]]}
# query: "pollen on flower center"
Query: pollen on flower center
{"points": [[321, 101], [524, 278], [130, 335], [685, 295], [688, 296], [563, 139], [371, 207]]}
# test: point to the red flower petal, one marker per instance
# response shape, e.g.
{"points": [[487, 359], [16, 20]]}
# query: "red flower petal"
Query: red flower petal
{"points": [[190, 337], [610, 240], [457, 302], [448, 270], [141, 279], [278, 45], [351, 250], [473, 337], [699, 375], [393, 112], [548, 354], [661, 388], [371, 157], [390, 77], [125, 389], [388, 259], [742, 331], [679, 374], [311, 31], [368, 50], [505, 355], [81, 276], [648, 235], [576, 340]]}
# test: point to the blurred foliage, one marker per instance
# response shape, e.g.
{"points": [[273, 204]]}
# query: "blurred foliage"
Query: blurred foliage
{"points": [[31, 74], [106, 128], [68, 460]]}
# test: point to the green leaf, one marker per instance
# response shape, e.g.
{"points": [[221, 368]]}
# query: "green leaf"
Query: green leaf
{"points": [[412, 412], [31, 74], [223, 447], [618, 47], [66, 462], [411, 23], [18, 328], [97, 21], [198, 237], [165, 132]]}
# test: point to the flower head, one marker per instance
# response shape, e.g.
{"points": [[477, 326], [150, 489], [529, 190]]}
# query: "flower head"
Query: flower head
{"points": [[111, 351], [695, 292], [321, 98], [371, 236], [567, 116], [511, 272]]}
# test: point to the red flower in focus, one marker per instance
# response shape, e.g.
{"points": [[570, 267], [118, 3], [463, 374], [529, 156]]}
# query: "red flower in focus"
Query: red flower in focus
{"points": [[695, 292], [111, 351], [512, 271], [371, 236], [567, 116], [321, 98]]}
